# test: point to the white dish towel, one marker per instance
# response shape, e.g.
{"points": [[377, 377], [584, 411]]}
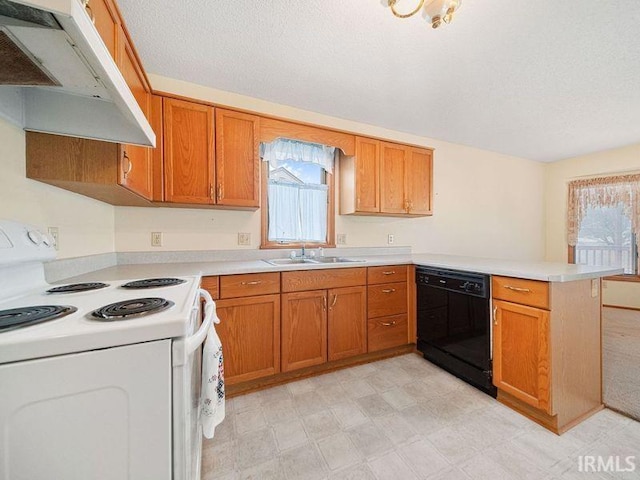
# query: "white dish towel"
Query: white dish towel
{"points": [[212, 399]]}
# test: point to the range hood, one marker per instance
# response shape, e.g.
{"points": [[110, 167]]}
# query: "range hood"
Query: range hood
{"points": [[57, 76]]}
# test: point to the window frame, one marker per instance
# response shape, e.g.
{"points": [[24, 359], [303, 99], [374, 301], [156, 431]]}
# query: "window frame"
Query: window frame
{"points": [[622, 277], [265, 243]]}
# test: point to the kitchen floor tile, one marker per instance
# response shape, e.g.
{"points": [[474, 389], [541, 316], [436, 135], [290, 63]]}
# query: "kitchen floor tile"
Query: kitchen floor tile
{"points": [[249, 421], [348, 414], [303, 463], [369, 439], [374, 406], [360, 472], [321, 424], [338, 451], [290, 434], [370, 422], [391, 467]]}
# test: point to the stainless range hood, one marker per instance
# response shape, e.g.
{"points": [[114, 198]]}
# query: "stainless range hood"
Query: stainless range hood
{"points": [[57, 76]]}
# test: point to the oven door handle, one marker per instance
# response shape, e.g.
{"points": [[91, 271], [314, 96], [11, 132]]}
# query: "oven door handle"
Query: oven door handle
{"points": [[210, 317]]}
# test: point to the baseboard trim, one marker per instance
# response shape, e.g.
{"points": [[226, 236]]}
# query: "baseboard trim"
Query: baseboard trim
{"points": [[287, 377]]}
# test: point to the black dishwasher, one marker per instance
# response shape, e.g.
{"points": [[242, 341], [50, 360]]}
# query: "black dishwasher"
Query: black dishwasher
{"points": [[454, 323]]}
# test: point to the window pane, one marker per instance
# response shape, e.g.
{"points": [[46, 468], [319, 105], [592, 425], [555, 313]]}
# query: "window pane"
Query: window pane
{"points": [[297, 197], [606, 239]]}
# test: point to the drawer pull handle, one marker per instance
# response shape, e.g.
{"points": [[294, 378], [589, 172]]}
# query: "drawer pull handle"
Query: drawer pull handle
{"points": [[335, 300], [389, 290], [391, 272], [388, 324], [255, 282], [495, 316], [518, 289], [324, 303]]}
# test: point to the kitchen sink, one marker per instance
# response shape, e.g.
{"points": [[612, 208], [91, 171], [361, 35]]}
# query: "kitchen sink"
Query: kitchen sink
{"points": [[336, 260], [297, 261], [289, 261]]}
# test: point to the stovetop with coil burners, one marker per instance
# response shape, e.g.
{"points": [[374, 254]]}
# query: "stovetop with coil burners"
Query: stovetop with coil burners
{"points": [[77, 317]]}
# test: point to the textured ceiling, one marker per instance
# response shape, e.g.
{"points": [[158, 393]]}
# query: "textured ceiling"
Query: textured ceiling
{"points": [[543, 79]]}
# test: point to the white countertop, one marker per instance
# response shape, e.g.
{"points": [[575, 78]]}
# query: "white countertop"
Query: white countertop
{"points": [[545, 271]]}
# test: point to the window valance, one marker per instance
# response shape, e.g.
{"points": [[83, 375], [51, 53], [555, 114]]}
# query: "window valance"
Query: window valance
{"points": [[621, 190], [283, 150]]}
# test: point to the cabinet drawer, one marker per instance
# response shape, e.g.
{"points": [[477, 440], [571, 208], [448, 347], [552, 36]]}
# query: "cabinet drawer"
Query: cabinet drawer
{"points": [[387, 332], [387, 299], [392, 273], [211, 285], [518, 290], [251, 284], [323, 279]]}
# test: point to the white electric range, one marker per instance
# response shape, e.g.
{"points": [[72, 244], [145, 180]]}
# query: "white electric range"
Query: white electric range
{"points": [[98, 380]]}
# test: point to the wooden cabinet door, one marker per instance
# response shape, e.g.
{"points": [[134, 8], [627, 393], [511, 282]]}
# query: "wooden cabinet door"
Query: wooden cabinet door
{"points": [[188, 152], [367, 172], [393, 160], [249, 330], [107, 22], [347, 322], [419, 168], [304, 329], [521, 361], [136, 172], [237, 159]]}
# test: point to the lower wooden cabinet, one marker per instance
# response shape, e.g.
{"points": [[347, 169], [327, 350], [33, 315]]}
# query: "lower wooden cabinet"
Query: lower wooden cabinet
{"points": [[521, 349], [249, 330], [304, 329], [347, 322], [387, 332]]}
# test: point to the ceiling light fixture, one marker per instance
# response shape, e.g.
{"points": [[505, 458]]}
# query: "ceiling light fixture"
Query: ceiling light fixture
{"points": [[435, 11]]}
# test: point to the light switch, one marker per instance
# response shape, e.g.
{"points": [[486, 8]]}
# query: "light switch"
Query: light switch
{"points": [[594, 287]]}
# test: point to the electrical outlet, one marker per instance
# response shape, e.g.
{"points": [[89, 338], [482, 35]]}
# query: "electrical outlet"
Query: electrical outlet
{"points": [[390, 239], [55, 234], [156, 239], [341, 239], [244, 239], [594, 287]]}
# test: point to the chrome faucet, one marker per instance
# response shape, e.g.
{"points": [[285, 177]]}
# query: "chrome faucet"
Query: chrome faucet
{"points": [[303, 251]]}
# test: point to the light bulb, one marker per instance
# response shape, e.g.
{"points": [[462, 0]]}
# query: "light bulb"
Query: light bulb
{"points": [[435, 11]]}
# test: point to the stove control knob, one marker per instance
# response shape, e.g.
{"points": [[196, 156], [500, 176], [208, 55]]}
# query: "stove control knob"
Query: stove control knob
{"points": [[35, 236]]}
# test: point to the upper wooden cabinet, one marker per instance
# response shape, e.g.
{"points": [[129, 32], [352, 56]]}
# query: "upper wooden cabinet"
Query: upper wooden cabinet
{"points": [[189, 175], [237, 159], [386, 178], [137, 162], [107, 21]]}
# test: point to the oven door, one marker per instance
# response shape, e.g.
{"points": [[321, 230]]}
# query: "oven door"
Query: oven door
{"points": [[187, 383]]}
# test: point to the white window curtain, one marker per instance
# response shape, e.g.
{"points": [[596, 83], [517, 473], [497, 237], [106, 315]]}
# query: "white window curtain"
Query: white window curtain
{"points": [[622, 190], [283, 150], [297, 212]]}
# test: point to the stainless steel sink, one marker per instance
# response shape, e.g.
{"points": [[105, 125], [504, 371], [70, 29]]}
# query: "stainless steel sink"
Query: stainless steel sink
{"points": [[336, 260], [298, 261], [289, 261]]}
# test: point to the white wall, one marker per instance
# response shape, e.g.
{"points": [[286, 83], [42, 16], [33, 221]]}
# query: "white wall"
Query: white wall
{"points": [[558, 175], [486, 204], [85, 226]]}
